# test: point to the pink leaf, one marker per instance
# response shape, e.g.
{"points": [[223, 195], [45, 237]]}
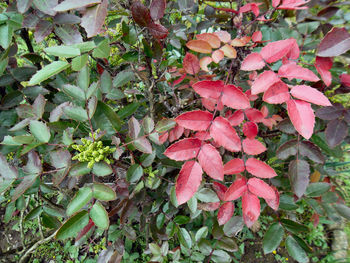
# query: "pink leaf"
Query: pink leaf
{"points": [[302, 116], [237, 189], [236, 118], [220, 190], [191, 64], [176, 133], [274, 202], [202, 135], [210, 160], [257, 36], [224, 36], [163, 137], [224, 135], [188, 181], [225, 213], [310, 94], [323, 65], [260, 188], [209, 88], [345, 79], [293, 71], [275, 3], [183, 150], [259, 168], [250, 129], [253, 61], [264, 81], [211, 38], [157, 9], [234, 166], [293, 4], [277, 93], [253, 146], [211, 104], [250, 208], [254, 115], [217, 55], [294, 51], [195, 120], [233, 97], [274, 51]]}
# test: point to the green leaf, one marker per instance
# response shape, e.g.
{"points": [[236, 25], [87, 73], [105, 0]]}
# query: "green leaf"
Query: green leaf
{"points": [[83, 80], [148, 124], [134, 173], [50, 221], [6, 32], [123, 78], [165, 125], [106, 82], [26, 183], [173, 198], [180, 219], [85, 46], [40, 131], [295, 250], [79, 62], [201, 233], [343, 210], [99, 215], [155, 249], [73, 225], [63, 51], [82, 197], [48, 71], [34, 213], [75, 113], [147, 159], [102, 169], [79, 169], [293, 226], [192, 204], [111, 115], [74, 91], [207, 195], [184, 238], [227, 244], [92, 104], [102, 50], [272, 237], [128, 110], [103, 192], [317, 189]]}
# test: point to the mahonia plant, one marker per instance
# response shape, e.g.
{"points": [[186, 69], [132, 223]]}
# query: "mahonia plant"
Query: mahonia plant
{"points": [[237, 131]]}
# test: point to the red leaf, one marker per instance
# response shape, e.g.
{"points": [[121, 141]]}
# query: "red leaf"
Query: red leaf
{"points": [[302, 116], [277, 93], [259, 168], [224, 36], [220, 190], [236, 190], [236, 118], [179, 80], [294, 50], [195, 120], [188, 181], [163, 137], [176, 133], [250, 208], [254, 115], [211, 38], [293, 4], [253, 61], [264, 81], [253, 146], [224, 135], [345, 79], [202, 135], [200, 46], [191, 64], [257, 36], [274, 202], [260, 188], [210, 104], [209, 88], [250, 129], [84, 231], [274, 51], [157, 30], [275, 3], [293, 71], [210, 160], [183, 150], [225, 213], [234, 166], [323, 65], [140, 14], [310, 94], [234, 98], [335, 43], [157, 9]]}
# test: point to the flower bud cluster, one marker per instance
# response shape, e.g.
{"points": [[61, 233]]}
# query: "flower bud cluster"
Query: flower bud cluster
{"points": [[92, 152]]}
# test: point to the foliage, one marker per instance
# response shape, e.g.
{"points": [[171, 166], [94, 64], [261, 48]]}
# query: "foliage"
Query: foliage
{"points": [[173, 131]]}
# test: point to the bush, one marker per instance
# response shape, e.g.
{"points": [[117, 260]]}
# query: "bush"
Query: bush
{"points": [[173, 131]]}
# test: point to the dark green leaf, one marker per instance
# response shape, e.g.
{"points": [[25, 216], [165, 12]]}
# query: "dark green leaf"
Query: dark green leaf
{"points": [[293, 226], [99, 215], [82, 197], [103, 192], [134, 173], [73, 225], [40, 131], [185, 238], [343, 210], [317, 189], [295, 250], [272, 237], [48, 71]]}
